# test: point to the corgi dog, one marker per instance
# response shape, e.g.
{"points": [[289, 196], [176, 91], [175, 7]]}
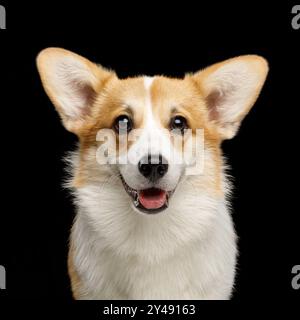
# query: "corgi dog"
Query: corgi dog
{"points": [[144, 227]]}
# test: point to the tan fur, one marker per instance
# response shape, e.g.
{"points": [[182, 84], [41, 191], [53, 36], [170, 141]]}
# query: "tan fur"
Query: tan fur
{"points": [[258, 65], [74, 277], [166, 94], [98, 80]]}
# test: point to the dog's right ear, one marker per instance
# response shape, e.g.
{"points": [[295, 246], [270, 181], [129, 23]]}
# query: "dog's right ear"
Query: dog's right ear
{"points": [[72, 83]]}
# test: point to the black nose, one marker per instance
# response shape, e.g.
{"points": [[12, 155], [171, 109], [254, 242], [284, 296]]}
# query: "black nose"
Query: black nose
{"points": [[153, 167]]}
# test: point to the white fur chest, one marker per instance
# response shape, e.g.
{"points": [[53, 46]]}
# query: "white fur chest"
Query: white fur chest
{"points": [[188, 252]]}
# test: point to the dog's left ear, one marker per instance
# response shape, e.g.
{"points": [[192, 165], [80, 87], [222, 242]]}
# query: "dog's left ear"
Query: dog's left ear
{"points": [[230, 89]]}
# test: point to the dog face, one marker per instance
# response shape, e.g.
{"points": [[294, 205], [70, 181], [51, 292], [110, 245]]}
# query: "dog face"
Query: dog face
{"points": [[141, 133]]}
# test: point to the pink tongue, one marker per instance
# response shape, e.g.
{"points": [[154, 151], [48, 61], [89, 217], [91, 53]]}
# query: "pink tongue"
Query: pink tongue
{"points": [[153, 198]]}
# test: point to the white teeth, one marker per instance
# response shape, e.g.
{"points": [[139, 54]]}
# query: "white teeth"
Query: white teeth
{"points": [[167, 201], [136, 201]]}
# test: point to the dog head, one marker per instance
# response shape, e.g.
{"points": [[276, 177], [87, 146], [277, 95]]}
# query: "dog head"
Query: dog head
{"points": [[139, 133]]}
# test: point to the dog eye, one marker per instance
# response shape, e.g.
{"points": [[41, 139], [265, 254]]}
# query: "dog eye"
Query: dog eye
{"points": [[123, 124], [178, 123]]}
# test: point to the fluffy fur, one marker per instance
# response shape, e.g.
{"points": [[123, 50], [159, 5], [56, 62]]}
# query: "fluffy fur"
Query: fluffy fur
{"points": [[189, 250]]}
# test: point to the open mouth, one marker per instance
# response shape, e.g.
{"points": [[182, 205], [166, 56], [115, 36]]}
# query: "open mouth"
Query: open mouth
{"points": [[151, 200]]}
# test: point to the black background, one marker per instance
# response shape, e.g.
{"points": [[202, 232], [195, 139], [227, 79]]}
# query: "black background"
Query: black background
{"points": [[36, 213]]}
